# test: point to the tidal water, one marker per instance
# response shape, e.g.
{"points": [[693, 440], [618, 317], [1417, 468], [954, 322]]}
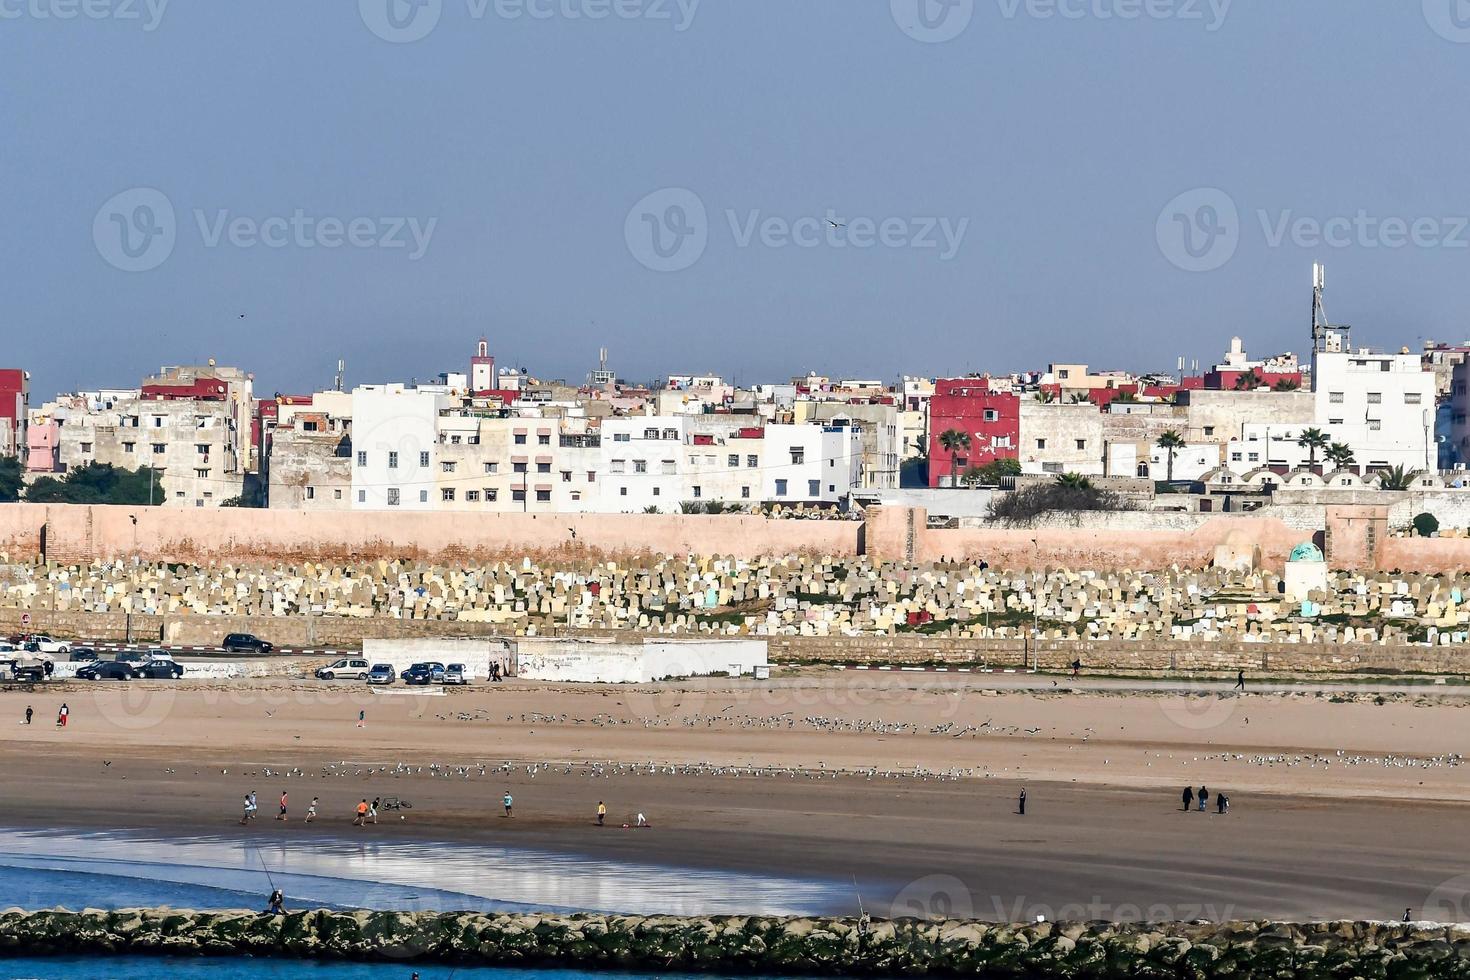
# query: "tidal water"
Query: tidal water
{"points": [[148, 968]]}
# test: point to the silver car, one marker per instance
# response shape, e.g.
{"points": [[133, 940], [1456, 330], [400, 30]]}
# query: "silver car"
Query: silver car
{"points": [[456, 674]]}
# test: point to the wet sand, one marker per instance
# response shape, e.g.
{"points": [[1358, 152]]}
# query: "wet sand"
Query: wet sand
{"points": [[908, 785]]}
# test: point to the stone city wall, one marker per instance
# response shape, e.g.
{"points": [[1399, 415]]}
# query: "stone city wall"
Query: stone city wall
{"points": [[764, 945]]}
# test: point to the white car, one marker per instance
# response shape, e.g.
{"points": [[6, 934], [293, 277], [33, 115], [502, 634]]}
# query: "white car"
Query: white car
{"points": [[44, 644]]}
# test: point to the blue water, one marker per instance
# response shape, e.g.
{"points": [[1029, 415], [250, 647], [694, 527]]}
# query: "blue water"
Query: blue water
{"points": [[147, 968]]}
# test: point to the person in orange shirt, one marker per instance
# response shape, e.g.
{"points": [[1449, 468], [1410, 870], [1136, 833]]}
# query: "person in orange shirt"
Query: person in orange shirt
{"points": [[282, 814], [362, 809]]}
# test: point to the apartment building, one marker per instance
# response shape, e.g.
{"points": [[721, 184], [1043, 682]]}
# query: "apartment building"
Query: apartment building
{"points": [[1382, 405], [878, 418], [989, 419], [15, 386]]}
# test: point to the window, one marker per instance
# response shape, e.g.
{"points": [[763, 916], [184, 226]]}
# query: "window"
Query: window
{"points": [[618, 465], [831, 488], [158, 448], [519, 496], [1411, 398], [311, 493], [543, 467], [158, 421], [129, 446], [544, 496], [1255, 457], [591, 476], [392, 461], [698, 492], [454, 440], [1375, 398], [423, 496], [745, 493], [798, 456], [307, 427], [86, 447], [655, 492], [780, 488], [622, 491], [1040, 443], [336, 494], [1081, 443], [566, 476], [732, 460], [622, 437], [671, 434], [472, 496], [1374, 425], [361, 457], [392, 496], [447, 494], [814, 488], [491, 494], [1334, 397], [1209, 430], [543, 440], [445, 467], [1334, 421], [424, 458], [520, 439], [518, 467], [202, 448], [668, 467], [362, 496], [640, 466], [650, 433], [751, 462], [492, 467], [1235, 457]]}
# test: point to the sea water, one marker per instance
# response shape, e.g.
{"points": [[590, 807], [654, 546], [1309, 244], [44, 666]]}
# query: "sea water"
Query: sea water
{"points": [[148, 968]]}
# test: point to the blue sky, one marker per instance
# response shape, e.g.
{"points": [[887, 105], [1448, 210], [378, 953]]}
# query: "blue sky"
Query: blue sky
{"points": [[857, 187]]}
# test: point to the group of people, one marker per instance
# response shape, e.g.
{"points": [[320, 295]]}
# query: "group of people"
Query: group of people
{"points": [[1202, 797], [252, 807], [62, 714], [640, 820]]}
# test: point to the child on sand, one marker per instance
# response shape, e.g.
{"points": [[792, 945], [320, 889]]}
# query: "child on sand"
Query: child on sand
{"points": [[311, 810]]}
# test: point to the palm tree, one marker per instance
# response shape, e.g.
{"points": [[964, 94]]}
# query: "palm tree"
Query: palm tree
{"points": [[1045, 397], [954, 442], [1081, 397], [1396, 478], [1312, 440], [1249, 381], [1340, 455], [1171, 442], [1126, 397], [1074, 481], [1287, 384]]}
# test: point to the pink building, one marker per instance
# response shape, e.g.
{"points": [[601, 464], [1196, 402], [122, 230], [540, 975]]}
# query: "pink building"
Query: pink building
{"points": [[43, 447]]}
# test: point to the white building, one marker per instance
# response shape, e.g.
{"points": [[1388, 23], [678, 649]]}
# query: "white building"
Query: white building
{"points": [[395, 442], [1382, 405]]}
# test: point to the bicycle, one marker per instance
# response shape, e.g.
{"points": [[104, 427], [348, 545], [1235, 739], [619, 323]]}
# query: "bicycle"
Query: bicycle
{"points": [[394, 803]]}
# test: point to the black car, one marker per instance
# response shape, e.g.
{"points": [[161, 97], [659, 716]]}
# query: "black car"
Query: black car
{"points": [[130, 657], [160, 669], [84, 655], [245, 643], [106, 670], [426, 673]]}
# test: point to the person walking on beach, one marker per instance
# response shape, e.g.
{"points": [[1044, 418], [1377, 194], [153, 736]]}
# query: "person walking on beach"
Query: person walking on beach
{"points": [[601, 812], [1188, 798], [253, 806], [1022, 810], [311, 810], [373, 809], [29, 712], [362, 718], [245, 816], [282, 814], [361, 818], [1076, 668], [1222, 803], [1204, 798], [62, 715], [508, 800], [642, 820], [1240, 680]]}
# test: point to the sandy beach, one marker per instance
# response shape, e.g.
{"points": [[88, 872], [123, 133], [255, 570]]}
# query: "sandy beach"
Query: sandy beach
{"points": [[907, 784]]}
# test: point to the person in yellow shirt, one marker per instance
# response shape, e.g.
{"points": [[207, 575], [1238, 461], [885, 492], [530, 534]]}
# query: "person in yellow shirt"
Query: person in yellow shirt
{"points": [[601, 812]]}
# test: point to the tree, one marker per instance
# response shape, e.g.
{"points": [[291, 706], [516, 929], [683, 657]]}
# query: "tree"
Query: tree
{"points": [[1312, 440], [1170, 442], [1249, 381], [954, 442], [1082, 398], [993, 472], [98, 483], [1126, 397], [10, 479], [1287, 384], [1074, 481], [1396, 478], [1426, 525], [1340, 455], [1042, 498]]}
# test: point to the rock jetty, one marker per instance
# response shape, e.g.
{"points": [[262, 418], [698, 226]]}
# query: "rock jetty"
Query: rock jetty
{"points": [[767, 945]]}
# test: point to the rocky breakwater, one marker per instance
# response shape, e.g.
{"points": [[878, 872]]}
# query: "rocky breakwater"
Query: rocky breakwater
{"points": [[738, 944]]}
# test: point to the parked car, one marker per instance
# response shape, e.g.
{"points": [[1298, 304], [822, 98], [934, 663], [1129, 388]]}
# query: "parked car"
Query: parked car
{"points": [[160, 668], [456, 674], [424, 673], [84, 655], [131, 657], [108, 670], [245, 643], [382, 674], [346, 667], [41, 643]]}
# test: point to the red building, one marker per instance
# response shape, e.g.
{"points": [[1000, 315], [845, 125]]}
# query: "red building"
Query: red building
{"points": [[14, 400], [992, 420]]}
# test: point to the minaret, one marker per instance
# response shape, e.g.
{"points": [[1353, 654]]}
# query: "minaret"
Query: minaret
{"points": [[482, 368]]}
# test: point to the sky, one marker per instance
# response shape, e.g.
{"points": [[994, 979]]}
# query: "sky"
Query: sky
{"points": [[754, 188]]}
